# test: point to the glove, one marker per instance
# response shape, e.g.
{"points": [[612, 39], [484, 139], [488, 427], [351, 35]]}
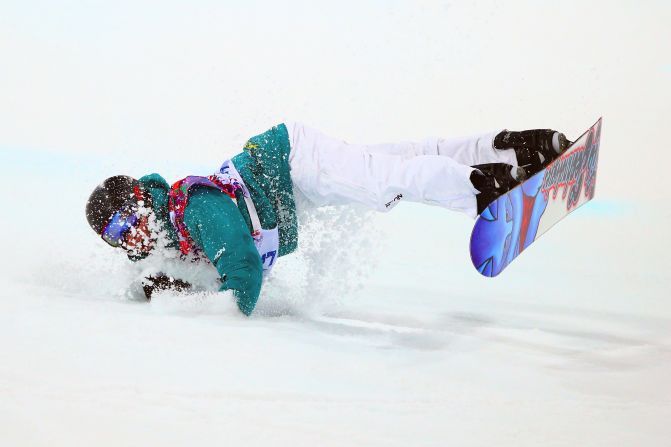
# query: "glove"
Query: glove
{"points": [[160, 281]]}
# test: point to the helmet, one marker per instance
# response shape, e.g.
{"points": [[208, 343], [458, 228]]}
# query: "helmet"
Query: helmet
{"points": [[108, 198]]}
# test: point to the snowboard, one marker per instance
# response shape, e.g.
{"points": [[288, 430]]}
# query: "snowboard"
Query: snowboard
{"points": [[516, 219]]}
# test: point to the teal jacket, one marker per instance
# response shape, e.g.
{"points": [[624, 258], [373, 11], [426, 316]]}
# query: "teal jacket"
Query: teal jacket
{"points": [[223, 230]]}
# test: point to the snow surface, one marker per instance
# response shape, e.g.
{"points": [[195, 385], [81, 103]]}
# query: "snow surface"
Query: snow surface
{"points": [[373, 335], [425, 352]]}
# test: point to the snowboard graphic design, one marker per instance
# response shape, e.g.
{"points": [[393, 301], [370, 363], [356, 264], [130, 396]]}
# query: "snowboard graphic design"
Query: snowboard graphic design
{"points": [[516, 219]]}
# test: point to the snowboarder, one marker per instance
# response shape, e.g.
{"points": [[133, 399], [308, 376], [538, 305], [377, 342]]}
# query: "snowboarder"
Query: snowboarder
{"points": [[243, 217]]}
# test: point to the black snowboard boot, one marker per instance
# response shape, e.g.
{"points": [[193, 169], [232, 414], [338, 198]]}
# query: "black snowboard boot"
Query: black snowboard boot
{"points": [[535, 149], [493, 180]]}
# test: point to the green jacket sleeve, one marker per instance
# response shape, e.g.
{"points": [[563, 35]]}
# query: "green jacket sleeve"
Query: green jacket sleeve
{"points": [[216, 225]]}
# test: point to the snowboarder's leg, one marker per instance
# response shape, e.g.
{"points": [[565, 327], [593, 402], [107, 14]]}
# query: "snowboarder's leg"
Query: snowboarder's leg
{"points": [[470, 150], [531, 149], [332, 172]]}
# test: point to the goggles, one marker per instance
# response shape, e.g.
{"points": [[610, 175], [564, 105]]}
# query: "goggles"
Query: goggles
{"points": [[120, 224], [123, 220]]}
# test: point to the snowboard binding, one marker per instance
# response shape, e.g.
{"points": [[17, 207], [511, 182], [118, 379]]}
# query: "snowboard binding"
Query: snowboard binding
{"points": [[535, 149], [494, 180]]}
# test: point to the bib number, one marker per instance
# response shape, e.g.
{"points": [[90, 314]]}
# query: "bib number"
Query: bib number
{"points": [[268, 247]]}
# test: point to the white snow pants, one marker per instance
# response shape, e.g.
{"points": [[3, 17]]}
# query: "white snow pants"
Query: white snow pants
{"points": [[435, 171]]}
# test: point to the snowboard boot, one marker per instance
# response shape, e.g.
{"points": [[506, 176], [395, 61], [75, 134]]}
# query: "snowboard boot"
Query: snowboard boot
{"points": [[535, 149], [494, 180]]}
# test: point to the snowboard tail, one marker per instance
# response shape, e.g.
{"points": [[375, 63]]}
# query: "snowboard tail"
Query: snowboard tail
{"points": [[516, 219]]}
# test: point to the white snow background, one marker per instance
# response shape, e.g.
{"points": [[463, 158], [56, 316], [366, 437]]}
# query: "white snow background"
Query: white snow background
{"points": [[379, 332]]}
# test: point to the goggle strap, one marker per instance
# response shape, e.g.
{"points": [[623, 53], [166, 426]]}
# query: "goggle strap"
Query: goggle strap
{"points": [[138, 193]]}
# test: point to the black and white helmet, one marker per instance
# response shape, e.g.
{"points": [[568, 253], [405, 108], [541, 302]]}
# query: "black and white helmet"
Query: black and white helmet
{"points": [[109, 197]]}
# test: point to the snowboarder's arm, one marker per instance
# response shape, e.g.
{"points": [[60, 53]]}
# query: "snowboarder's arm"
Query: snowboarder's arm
{"points": [[216, 225]]}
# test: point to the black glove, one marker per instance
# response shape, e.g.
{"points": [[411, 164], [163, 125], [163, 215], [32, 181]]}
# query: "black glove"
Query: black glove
{"points": [[160, 281]]}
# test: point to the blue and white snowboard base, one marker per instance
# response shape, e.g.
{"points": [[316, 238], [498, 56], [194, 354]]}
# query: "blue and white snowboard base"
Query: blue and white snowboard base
{"points": [[516, 219]]}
